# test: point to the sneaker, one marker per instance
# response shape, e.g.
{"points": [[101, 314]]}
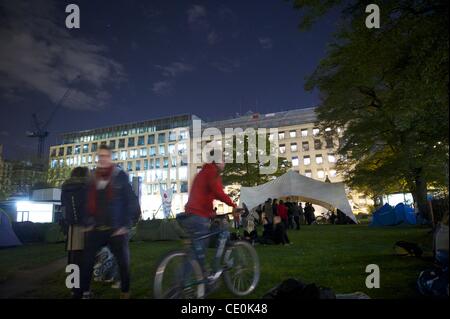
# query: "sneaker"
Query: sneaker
{"points": [[116, 285], [87, 295], [124, 295]]}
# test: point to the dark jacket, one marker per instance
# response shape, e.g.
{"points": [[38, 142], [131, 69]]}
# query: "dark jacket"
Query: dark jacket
{"points": [[280, 235], [123, 208], [74, 200]]}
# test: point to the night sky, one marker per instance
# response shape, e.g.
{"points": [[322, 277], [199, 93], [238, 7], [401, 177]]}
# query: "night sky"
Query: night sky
{"points": [[139, 60]]}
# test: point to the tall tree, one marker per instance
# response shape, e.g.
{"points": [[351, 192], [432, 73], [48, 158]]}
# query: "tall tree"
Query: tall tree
{"points": [[248, 173], [388, 88]]}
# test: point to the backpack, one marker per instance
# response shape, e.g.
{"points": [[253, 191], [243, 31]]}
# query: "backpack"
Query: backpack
{"points": [[294, 289], [404, 248], [73, 201]]}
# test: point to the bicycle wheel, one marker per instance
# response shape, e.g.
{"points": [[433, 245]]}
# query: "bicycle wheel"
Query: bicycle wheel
{"points": [[242, 274], [178, 277], [321, 220]]}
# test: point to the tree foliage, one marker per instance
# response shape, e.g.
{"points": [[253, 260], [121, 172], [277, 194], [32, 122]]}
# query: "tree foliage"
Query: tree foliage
{"points": [[388, 88]]}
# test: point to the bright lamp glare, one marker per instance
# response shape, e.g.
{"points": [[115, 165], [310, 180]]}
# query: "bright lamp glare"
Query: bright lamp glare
{"points": [[34, 212]]}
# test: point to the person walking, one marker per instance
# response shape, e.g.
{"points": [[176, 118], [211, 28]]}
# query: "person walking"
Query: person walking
{"points": [[112, 208], [268, 211], [73, 204], [282, 212], [296, 215]]}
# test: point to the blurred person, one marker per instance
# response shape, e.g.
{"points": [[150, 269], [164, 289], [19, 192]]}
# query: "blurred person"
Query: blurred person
{"points": [[112, 207], [296, 215], [73, 203], [275, 207], [279, 232], [282, 212], [268, 210]]}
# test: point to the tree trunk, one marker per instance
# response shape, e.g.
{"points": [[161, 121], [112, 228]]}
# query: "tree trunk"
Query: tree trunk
{"points": [[420, 195]]}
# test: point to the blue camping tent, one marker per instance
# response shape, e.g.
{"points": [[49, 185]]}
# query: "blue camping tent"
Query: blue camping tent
{"points": [[7, 236], [390, 216]]}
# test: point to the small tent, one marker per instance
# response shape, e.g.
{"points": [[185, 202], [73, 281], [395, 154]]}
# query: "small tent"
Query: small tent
{"points": [[329, 195], [391, 216], [7, 236]]}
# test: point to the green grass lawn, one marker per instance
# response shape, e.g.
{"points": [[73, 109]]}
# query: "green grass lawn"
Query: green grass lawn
{"points": [[328, 255]]}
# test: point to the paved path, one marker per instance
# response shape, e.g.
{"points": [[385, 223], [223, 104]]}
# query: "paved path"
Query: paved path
{"points": [[28, 280]]}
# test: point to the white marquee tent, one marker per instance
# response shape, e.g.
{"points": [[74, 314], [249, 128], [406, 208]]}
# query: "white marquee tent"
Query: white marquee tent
{"points": [[328, 195]]}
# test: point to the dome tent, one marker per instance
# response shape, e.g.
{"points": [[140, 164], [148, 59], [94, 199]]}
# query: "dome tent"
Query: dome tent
{"points": [[329, 195], [7, 236], [391, 216]]}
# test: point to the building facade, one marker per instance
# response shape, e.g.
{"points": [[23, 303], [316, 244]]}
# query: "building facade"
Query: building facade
{"points": [[159, 151]]}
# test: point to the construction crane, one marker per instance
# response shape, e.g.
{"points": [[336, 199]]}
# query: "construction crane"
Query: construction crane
{"points": [[40, 130]]}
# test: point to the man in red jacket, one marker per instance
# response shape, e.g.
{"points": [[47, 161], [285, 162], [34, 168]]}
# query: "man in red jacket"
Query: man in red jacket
{"points": [[207, 187]]}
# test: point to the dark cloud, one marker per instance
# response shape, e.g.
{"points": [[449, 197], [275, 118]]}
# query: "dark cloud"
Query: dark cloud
{"points": [[43, 56]]}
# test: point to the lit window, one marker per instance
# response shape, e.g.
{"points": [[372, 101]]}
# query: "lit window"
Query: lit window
{"points": [[152, 151], [166, 162], [130, 166], [115, 156], [85, 148], [172, 149], [133, 153], [83, 159], [282, 149], [320, 174], [328, 129], [173, 174], [315, 131], [331, 158], [89, 158], [319, 159], [306, 160], [182, 173], [308, 173], [271, 137], [123, 155], [172, 136], [293, 147], [281, 135], [292, 134], [162, 150], [143, 152], [304, 132], [295, 161], [183, 135], [332, 172]]}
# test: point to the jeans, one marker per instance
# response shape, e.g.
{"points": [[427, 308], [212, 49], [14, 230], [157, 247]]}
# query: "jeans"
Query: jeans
{"points": [[297, 222], [118, 245], [197, 226]]}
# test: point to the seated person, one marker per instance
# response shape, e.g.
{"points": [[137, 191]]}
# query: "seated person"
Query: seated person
{"points": [[279, 232]]}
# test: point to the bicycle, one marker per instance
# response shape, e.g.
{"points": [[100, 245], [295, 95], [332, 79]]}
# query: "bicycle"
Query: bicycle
{"points": [[180, 276], [324, 218]]}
